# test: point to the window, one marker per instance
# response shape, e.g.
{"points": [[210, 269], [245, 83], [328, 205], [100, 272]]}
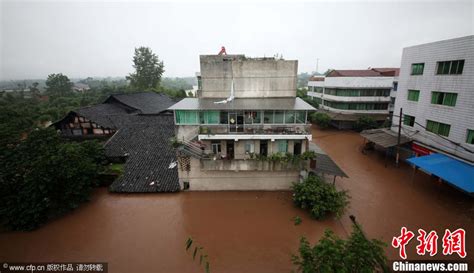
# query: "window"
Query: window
{"points": [[282, 146], [268, 117], [290, 117], [318, 89], [300, 117], [186, 117], [249, 147], [408, 120], [413, 95], [395, 86], [216, 147], [224, 117], [470, 136], [278, 117], [209, 117], [438, 128], [252, 117], [443, 98], [417, 69], [450, 67]]}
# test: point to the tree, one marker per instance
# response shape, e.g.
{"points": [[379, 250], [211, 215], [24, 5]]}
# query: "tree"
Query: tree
{"points": [[148, 70], [34, 90], [323, 120], [365, 123], [58, 85], [334, 255], [43, 177], [319, 197]]}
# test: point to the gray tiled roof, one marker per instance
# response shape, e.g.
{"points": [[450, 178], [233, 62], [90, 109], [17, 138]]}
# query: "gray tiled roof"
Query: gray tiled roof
{"points": [[102, 114], [145, 140], [145, 102], [289, 103]]}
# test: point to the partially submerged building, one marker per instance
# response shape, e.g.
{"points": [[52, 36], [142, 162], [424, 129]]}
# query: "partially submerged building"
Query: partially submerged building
{"points": [[103, 120], [436, 95], [137, 128], [244, 125], [347, 95]]}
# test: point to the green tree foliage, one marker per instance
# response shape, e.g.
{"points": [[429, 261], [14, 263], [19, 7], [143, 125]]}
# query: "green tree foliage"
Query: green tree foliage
{"points": [[365, 123], [319, 197], [323, 120], [58, 85], [148, 70], [44, 176], [331, 254]]}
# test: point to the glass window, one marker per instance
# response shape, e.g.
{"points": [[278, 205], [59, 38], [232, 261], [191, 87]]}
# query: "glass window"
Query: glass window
{"points": [[470, 136], [252, 117], [300, 117], [268, 117], [443, 98], [249, 147], [209, 117], [395, 86], [450, 67], [282, 146], [290, 117], [413, 95], [408, 120], [417, 69], [278, 117], [438, 128], [216, 147], [186, 117], [224, 117]]}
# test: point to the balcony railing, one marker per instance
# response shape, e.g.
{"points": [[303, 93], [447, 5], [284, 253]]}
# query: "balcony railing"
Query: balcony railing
{"points": [[250, 165], [297, 129]]}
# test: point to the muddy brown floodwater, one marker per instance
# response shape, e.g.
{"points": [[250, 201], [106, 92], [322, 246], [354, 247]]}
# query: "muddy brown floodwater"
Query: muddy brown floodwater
{"points": [[386, 198], [241, 231]]}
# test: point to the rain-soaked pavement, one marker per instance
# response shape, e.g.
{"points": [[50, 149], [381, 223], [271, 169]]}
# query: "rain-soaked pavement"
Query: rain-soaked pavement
{"points": [[241, 231]]}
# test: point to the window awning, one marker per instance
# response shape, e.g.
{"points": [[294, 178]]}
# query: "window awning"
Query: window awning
{"points": [[455, 172]]}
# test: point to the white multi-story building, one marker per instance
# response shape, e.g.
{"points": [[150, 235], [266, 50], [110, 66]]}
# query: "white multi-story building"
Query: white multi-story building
{"points": [[436, 94], [347, 95]]}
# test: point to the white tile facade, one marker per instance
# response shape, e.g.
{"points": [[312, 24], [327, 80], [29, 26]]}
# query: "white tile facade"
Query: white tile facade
{"points": [[461, 116]]}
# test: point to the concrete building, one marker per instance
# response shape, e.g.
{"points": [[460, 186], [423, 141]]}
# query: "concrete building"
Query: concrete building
{"points": [[436, 93], [347, 95], [244, 121]]}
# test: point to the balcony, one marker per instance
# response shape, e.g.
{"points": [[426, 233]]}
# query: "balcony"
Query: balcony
{"points": [[250, 165], [260, 131]]}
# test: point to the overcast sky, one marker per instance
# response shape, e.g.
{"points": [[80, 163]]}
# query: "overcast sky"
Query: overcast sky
{"points": [[85, 38]]}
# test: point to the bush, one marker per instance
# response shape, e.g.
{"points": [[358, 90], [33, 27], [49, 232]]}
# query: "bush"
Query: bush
{"points": [[44, 177], [321, 119], [365, 123], [319, 197], [332, 254]]}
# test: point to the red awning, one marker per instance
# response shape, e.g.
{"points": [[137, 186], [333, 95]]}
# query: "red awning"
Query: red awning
{"points": [[420, 150]]}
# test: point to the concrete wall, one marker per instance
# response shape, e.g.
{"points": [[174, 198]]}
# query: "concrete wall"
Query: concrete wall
{"points": [[236, 180], [460, 117], [262, 77]]}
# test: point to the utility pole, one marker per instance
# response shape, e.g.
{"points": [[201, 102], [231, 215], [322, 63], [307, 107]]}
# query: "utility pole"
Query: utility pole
{"points": [[399, 136]]}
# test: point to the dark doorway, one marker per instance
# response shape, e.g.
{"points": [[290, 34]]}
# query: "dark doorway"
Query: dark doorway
{"points": [[264, 147], [230, 149], [297, 148]]}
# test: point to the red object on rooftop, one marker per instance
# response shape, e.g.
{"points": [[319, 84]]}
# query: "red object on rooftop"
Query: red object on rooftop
{"points": [[222, 52]]}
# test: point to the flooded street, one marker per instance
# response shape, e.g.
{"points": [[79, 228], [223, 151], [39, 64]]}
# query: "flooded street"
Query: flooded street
{"points": [[241, 231], [384, 198]]}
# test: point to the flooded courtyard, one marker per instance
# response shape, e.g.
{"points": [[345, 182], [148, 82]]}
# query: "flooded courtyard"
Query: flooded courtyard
{"points": [[242, 231]]}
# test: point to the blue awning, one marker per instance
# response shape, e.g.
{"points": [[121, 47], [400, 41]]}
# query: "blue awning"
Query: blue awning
{"points": [[455, 172]]}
